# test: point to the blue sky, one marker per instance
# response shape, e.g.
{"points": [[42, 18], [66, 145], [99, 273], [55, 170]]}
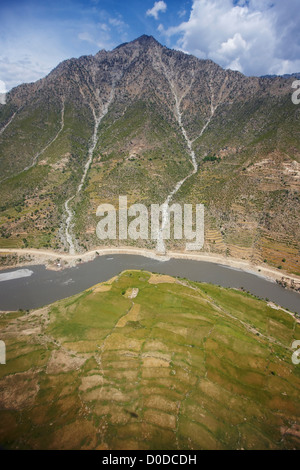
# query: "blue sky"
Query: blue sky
{"points": [[254, 36]]}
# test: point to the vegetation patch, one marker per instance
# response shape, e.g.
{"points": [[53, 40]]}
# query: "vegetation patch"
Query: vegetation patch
{"points": [[182, 365]]}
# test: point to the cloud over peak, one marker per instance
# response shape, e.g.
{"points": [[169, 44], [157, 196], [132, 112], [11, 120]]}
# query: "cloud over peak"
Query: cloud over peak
{"points": [[158, 7], [256, 37]]}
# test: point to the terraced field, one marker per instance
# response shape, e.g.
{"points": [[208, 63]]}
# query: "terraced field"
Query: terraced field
{"points": [[150, 362]]}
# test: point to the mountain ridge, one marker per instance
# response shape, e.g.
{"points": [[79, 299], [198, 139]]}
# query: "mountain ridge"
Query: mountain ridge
{"points": [[159, 110], [148, 39]]}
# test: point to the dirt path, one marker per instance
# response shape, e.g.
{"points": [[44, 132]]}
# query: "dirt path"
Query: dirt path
{"points": [[62, 124], [7, 124]]}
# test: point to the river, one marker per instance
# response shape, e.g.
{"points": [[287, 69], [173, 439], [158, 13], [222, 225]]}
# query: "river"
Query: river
{"points": [[42, 286]]}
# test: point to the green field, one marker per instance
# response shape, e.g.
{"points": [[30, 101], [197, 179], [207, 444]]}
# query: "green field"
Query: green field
{"points": [[150, 362]]}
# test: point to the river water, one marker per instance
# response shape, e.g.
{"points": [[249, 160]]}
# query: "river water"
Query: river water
{"points": [[43, 286]]}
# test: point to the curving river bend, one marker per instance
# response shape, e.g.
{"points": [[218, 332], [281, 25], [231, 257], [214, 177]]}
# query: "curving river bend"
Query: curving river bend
{"points": [[41, 286]]}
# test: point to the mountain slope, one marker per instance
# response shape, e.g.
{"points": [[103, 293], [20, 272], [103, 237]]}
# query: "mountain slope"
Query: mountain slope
{"points": [[153, 363], [137, 120]]}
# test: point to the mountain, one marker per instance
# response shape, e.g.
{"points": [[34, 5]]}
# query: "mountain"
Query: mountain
{"points": [[137, 120], [286, 75]]}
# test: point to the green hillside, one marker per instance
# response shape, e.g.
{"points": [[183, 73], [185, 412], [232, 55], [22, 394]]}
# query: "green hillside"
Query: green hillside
{"points": [[146, 361]]}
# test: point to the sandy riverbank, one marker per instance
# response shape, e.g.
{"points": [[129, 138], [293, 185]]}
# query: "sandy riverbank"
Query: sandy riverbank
{"points": [[56, 260]]}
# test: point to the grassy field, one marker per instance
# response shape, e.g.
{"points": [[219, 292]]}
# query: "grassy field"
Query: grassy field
{"points": [[146, 361]]}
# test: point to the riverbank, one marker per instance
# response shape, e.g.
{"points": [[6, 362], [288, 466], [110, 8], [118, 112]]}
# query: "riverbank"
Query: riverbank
{"points": [[57, 261], [46, 286]]}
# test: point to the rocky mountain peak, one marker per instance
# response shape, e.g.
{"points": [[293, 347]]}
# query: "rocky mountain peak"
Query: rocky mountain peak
{"points": [[146, 40]]}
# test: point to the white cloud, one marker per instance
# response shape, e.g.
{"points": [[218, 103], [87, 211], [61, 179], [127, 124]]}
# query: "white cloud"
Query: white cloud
{"points": [[103, 35], [2, 87], [101, 40], [236, 65], [104, 27], [26, 69], [256, 37], [117, 22], [31, 47], [160, 6], [2, 92]]}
